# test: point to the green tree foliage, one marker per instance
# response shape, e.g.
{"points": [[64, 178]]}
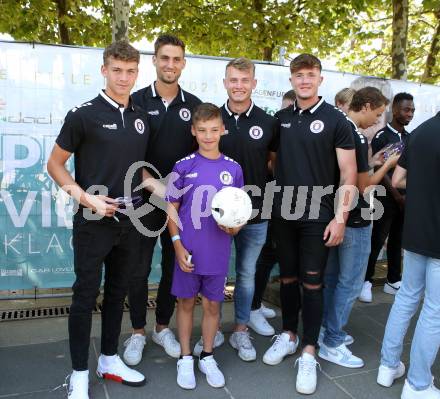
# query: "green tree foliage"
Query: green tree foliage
{"points": [[80, 22]]}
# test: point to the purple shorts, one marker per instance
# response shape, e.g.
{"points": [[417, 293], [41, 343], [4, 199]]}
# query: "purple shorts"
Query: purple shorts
{"points": [[188, 285]]}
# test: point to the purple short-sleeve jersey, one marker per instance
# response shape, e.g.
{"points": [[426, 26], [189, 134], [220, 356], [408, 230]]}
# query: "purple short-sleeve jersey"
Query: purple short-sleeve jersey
{"points": [[194, 181]]}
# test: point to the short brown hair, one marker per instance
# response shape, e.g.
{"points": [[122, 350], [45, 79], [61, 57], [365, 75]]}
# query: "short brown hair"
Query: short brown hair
{"points": [[206, 112], [308, 61], [344, 96], [368, 95], [121, 50], [289, 95], [165, 39], [242, 64]]}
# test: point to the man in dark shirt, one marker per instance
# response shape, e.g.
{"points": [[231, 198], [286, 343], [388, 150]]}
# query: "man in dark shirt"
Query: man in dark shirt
{"points": [[418, 171], [391, 223], [169, 109], [107, 135], [346, 264], [316, 148]]}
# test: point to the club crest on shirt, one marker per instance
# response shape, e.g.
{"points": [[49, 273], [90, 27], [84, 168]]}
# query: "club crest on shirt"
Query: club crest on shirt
{"points": [[256, 132], [317, 126], [185, 114], [225, 177], [139, 126]]}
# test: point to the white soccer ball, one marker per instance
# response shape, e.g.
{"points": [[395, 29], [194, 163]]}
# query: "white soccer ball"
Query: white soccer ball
{"points": [[231, 207]]}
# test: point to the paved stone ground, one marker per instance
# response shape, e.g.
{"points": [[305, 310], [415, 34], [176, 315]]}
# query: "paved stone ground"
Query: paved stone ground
{"points": [[34, 359]]}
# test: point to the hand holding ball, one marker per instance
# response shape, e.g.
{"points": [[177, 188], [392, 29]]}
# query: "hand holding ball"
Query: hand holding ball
{"points": [[231, 207]]}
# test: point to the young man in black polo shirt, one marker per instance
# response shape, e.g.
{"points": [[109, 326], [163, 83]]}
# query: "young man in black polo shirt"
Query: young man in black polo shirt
{"points": [[169, 111], [391, 223], [346, 263], [107, 135], [418, 171], [250, 135], [316, 149]]}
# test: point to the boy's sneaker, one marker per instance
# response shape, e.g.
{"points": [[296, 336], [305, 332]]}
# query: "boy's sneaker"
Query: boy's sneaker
{"points": [[214, 376], [134, 347], [259, 324], [241, 340], [168, 341], [113, 368], [348, 340], [387, 375], [391, 288], [219, 340], [79, 385], [185, 373], [366, 294], [409, 393], [282, 347], [340, 355], [268, 313], [306, 378]]}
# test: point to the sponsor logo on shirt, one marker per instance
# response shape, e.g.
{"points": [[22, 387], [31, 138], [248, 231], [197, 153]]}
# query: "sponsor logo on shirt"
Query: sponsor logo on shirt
{"points": [[185, 114], [155, 112], [256, 132], [317, 126], [114, 126], [139, 126], [226, 177], [286, 125], [192, 175]]}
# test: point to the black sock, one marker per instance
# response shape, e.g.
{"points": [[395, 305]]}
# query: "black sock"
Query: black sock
{"points": [[204, 354]]}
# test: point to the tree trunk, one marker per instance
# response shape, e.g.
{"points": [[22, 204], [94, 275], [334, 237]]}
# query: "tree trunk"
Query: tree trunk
{"points": [[434, 51], [400, 36], [121, 13], [267, 53], [62, 27]]}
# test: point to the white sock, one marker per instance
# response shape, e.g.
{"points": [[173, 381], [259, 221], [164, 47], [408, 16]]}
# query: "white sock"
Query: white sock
{"points": [[107, 360]]}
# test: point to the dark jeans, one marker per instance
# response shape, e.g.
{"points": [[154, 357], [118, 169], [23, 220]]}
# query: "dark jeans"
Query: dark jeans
{"points": [[389, 225], [265, 263], [117, 245], [138, 291], [303, 256]]}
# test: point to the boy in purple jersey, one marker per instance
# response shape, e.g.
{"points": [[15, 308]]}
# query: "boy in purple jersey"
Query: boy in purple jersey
{"points": [[202, 247]]}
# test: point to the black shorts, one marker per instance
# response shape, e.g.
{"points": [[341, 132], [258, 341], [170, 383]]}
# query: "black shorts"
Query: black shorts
{"points": [[300, 247]]}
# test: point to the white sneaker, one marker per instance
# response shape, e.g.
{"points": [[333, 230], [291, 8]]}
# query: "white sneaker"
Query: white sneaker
{"points": [[340, 355], [241, 340], [306, 378], [79, 385], [259, 324], [113, 368], [134, 347], [391, 288], [214, 376], [185, 373], [409, 393], [168, 341], [282, 347], [348, 340], [219, 340], [268, 313], [366, 295], [387, 375]]}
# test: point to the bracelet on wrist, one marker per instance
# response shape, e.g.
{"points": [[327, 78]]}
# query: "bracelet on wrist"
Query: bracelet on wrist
{"points": [[175, 238]]}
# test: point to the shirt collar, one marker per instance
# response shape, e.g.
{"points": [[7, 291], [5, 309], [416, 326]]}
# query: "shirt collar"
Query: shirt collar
{"points": [[114, 103], [247, 113], [396, 131], [155, 94], [311, 109]]}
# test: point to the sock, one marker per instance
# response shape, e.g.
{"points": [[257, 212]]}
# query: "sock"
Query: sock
{"points": [[185, 356], [107, 360], [205, 354]]}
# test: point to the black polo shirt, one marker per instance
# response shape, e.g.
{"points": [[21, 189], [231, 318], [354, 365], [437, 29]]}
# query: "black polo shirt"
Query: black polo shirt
{"points": [[106, 140], [170, 126], [248, 139], [421, 159], [361, 145], [306, 157]]}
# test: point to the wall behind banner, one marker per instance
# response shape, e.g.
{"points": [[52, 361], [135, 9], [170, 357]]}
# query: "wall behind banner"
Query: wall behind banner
{"points": [[38, 85]]}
